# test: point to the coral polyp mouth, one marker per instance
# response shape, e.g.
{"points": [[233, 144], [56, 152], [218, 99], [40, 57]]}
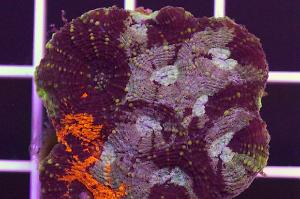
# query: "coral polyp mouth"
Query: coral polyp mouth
{"points": [[153, 105]]}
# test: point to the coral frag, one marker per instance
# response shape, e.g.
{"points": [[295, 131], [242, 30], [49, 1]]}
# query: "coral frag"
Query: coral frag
{"points": [[153, 105]]}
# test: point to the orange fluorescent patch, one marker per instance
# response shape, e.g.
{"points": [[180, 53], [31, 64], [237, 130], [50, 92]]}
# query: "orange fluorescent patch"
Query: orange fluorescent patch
{"points": [[81, 126], [78, 172], [84, 95]]}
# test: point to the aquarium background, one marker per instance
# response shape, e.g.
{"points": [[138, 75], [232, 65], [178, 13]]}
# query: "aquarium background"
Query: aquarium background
{"points": [[275, 22]]}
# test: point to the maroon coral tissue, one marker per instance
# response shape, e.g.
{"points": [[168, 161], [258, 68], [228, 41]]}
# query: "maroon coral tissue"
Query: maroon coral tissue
{"points": [[158, 105]]}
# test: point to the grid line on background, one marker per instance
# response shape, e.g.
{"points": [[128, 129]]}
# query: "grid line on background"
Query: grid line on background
{"points": [[27, 71], [15, 71], [15, 166], [219, 8], [129, 4], [40, 12]]}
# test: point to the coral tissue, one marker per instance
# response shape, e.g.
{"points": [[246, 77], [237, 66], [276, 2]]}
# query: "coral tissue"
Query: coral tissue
{"points": [[158, 105]]}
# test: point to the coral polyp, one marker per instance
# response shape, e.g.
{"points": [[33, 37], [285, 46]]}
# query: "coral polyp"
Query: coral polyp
{"points": [[153, 105]]}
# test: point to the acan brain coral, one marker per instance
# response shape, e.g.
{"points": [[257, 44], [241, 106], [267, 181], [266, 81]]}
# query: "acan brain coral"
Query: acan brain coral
{"points": [[153, 105]]}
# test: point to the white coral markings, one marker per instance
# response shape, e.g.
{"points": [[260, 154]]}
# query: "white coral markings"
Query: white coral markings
{"points": [[220, 58], [166, 75], [147, 125], [219, 148], [199, 108]]}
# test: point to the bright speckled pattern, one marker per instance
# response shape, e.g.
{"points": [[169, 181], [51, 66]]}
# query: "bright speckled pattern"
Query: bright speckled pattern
{"points": [[153, 105]]}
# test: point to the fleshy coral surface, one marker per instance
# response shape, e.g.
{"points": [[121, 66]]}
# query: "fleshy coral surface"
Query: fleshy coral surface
{"points": [[153, 105]]}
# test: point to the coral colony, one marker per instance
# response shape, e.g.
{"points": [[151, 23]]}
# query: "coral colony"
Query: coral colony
{"points": [[158, 105]]}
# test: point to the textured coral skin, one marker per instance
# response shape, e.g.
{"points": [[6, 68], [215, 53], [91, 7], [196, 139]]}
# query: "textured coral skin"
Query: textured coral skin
{"points": [[153, 105]]}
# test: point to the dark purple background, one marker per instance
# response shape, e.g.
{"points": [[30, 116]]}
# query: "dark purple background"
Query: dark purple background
{"points": [[276, 22]]}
